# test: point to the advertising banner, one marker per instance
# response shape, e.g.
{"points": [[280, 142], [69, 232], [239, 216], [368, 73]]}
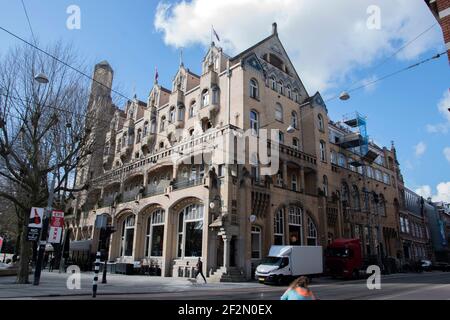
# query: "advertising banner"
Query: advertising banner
{"points": [[35, 224], [56, 227]]}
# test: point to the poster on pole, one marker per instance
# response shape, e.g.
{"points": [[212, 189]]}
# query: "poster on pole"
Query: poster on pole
{"points": [[56, 227], [35, 224]]}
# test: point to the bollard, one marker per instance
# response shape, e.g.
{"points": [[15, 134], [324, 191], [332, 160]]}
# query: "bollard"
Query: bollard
{"points": [[97, 268]]}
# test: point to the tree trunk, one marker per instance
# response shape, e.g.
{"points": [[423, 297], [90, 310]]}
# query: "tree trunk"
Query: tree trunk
{"points": [[24, 262]]}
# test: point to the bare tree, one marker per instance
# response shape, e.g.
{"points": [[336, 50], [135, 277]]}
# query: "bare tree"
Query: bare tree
{"points": [[42, 131]]}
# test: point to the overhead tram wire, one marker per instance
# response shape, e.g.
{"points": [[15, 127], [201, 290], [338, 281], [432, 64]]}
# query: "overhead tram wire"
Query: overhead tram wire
{"points": [[391, 56], [63, 62], [437, 56]]}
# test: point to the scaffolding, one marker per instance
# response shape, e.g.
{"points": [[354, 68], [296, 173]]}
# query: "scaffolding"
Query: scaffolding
{"points": [[357, 138]]}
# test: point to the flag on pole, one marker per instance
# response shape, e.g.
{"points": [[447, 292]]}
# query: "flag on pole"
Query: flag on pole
{"points": [[215, 34], [156, 75]]}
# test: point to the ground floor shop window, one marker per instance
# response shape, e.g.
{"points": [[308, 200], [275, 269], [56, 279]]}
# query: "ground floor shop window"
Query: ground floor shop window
{"points": [[312, 233], [190, 231], [295, 226], [155, 234], [126, 249]]}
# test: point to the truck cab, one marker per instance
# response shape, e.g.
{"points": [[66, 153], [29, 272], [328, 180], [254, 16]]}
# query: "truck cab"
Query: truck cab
{"points": [[343, 258]]}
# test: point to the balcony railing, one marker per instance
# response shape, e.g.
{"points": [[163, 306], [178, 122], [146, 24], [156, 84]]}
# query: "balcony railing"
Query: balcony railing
{"points": [[187, 183], [154, 191]]}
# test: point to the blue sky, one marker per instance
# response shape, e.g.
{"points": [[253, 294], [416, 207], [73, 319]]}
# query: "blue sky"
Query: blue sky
{"points": [[138, 36]]}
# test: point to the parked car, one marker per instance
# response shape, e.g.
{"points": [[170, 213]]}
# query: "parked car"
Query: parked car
{"points": [[441, 266]]}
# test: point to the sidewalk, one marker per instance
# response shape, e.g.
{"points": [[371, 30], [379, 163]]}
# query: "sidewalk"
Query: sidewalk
{"points": [[54, 284]]}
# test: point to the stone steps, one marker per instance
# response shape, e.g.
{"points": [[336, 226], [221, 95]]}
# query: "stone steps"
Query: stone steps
{"points": [[230, 275]]}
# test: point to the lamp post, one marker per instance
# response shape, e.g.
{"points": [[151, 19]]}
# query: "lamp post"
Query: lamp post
{"points": [[41, 78]]}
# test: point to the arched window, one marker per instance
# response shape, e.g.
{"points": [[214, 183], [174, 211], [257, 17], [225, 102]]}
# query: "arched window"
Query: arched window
{"points": [[280, 87], [153, 126], [295, 143], [215, 95], [278, 227], [333, 157], [126, 248], [356, 199], [278, 112], [289, 92], [190, 231], [296, 95], [325, 185], [162, 126], [254, 89], [205, 98], [323, 154], [145, 133], [155, 234], [172, 115], [192, 109], [311, 239], [320, 122], [256, 242], [139, 136], [273, 83], [180, 112], [295, 226], [294, 119], [254, 122]]}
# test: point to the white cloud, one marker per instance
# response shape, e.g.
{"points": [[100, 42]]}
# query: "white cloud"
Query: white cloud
{"points": [[443, 192], [424, 191], [447, 153], [420, 149], [326, 40], [443, 106]]}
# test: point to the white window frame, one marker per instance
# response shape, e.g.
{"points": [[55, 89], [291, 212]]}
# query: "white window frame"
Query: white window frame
{"points": [[155, 219]]}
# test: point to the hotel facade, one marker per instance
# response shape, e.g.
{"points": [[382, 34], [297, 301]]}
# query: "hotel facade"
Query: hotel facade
{"points": [[175, 182]]}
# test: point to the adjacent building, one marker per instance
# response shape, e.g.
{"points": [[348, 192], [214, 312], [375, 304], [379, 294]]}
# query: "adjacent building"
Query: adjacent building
{"points": [[178, 178], [441, 10]]}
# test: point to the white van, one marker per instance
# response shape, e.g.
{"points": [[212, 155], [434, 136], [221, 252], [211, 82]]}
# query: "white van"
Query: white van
{"points": [[285, 263]]}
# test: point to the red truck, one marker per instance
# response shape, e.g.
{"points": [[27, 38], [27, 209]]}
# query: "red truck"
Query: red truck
{"points": [[343, 258]]}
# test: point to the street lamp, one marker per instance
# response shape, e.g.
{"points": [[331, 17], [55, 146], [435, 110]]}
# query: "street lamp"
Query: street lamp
{"points": [[344, 96], [41, 78]]}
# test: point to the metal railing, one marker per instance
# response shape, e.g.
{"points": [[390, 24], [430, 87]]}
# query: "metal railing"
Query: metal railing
{"points": [[187, 183]]}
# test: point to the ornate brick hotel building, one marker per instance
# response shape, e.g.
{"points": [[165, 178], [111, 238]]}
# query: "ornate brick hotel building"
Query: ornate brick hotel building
{"points": [[149, 171]]}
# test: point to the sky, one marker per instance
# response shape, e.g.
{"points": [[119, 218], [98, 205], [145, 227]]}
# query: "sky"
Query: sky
{"points": [[335, 46]]}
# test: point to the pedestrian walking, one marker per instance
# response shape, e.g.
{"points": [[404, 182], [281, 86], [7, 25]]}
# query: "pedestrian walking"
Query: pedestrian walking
{"points": [[199, 269], [299, 290], [52, 264]]}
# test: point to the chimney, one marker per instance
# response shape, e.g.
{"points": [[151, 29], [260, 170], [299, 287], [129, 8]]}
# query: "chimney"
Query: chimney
{"points": [[274, 28]]}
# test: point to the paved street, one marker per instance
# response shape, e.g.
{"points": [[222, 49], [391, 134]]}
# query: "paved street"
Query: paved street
{"points": [[434, 285]]}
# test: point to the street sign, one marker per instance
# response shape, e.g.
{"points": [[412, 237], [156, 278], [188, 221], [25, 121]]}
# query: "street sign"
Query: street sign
{"points": [[35, 224], [56, 227]]}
